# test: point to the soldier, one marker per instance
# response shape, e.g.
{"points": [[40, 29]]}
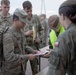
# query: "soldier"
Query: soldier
{"points": [[5, 16], [33, 37], [44, 23], [63, 56], [15, 49]]}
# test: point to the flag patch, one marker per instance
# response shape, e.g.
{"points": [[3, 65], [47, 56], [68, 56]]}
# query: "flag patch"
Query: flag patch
{"points": [[56, 44]]}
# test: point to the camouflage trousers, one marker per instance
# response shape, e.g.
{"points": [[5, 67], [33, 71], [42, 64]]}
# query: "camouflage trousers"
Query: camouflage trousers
{"points": [[34, 66]]}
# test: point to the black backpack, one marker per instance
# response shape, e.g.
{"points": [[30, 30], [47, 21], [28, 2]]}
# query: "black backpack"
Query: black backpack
{"points": [[2, 31]]}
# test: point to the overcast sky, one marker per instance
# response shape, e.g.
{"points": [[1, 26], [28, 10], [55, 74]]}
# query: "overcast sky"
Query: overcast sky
{"points": [[51, 6]]}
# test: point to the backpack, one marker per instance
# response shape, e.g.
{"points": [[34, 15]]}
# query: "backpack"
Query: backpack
{"points": [[2, 31]]}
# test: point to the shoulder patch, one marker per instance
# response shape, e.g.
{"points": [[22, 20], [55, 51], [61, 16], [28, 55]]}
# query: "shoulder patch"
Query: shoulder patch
{"points": [[56, 44]]}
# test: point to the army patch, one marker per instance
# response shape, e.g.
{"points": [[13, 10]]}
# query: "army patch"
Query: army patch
{"points": [[56, 44]]}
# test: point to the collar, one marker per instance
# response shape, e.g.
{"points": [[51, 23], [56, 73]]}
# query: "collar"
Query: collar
{"points": [[14, 29], [31, 20], [70, 25], [8, 15]]}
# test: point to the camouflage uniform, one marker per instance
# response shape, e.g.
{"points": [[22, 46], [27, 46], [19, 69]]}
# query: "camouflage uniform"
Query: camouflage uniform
{"points": [[5, 21], [30, 23], [36, 23], [63, 57], [45, 33], [15, 52]]}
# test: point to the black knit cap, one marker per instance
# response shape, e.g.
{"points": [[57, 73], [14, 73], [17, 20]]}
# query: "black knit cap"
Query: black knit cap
{"points": [[68, 3]]}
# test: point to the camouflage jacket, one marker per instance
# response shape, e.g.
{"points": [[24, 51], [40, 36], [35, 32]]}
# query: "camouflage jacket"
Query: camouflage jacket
{"points": [[5, 21], [15, 51], [36, 23], [45, 32], [63, 57]]}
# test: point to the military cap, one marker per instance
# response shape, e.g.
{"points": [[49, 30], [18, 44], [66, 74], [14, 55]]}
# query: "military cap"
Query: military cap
{"points": [[53, 21], [68, 3], [21, 14]]}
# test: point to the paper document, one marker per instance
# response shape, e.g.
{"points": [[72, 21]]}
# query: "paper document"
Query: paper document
{"points": [[41, 53]]}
